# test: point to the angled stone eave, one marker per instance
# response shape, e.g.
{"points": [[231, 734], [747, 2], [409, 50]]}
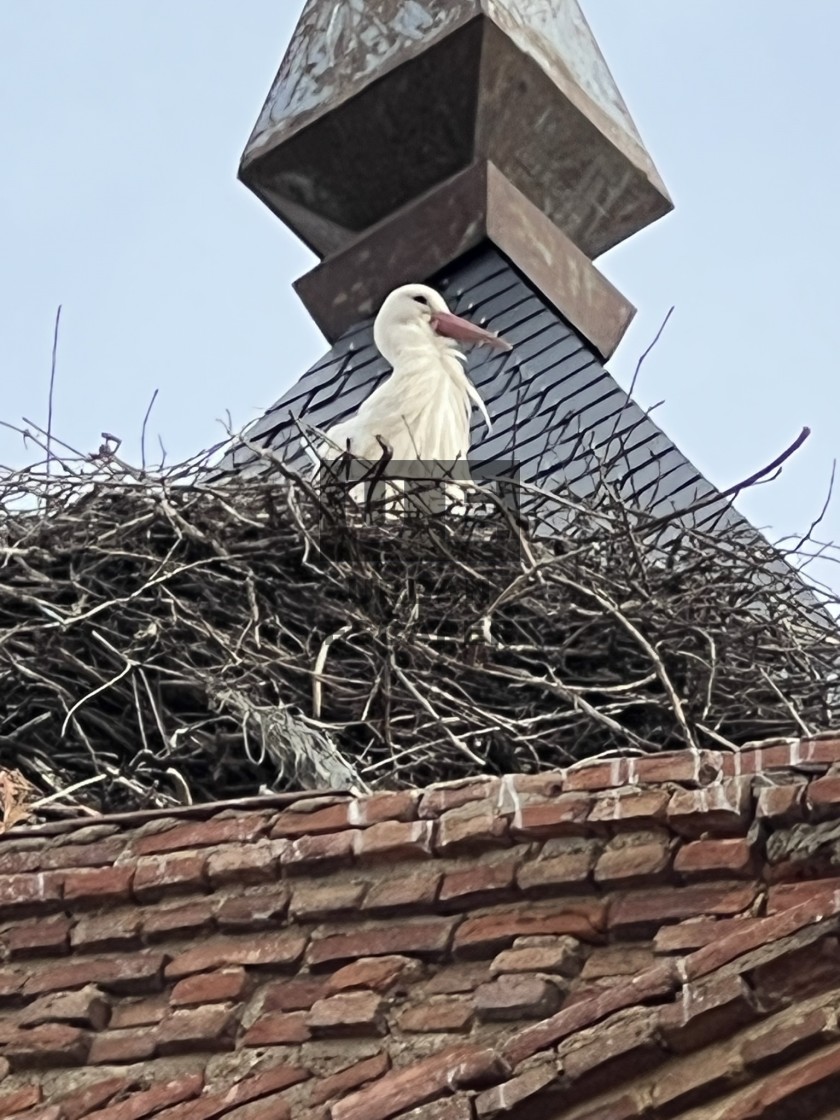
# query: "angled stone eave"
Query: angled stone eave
{"points": [[565, 48], [306, 81]]}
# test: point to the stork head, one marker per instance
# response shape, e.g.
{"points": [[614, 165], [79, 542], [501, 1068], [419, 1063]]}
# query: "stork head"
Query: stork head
{"points": [[415, 315]]}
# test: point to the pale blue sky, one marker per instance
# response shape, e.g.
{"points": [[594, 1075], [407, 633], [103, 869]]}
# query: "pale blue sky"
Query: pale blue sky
{"points": [[121, 125]]}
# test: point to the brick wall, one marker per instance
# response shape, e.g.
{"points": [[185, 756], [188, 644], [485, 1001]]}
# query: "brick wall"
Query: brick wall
{"points": [[649, 937]]}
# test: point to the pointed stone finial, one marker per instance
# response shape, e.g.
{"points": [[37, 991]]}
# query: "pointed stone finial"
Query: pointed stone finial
{"points": [[380, 102]]}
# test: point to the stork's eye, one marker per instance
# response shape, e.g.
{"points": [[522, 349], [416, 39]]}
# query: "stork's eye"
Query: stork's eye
{"points": [[421, 299]]}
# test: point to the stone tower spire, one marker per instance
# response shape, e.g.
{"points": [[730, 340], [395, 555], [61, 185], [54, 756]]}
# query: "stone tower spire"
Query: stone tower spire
{"points": [[401, 133]]}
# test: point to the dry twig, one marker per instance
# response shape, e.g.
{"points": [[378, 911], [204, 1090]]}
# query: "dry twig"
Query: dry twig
{"points": [[164, 641]]}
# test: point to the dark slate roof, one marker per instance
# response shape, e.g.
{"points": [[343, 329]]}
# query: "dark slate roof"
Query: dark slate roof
{"points": [[556, 411]]}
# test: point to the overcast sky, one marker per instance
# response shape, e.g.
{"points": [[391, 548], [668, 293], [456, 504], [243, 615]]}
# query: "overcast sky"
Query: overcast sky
{"points": [[121, 126]]}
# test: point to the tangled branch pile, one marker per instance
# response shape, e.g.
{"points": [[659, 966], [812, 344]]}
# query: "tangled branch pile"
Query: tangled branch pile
{"points": [[162, 641]]}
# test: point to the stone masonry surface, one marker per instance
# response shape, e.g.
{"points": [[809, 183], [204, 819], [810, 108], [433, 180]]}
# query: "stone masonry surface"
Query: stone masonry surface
{"points": [[638, 937]]}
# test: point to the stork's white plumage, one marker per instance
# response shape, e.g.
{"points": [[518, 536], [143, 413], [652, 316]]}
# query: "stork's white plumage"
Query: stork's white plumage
{"points": [[422, 411]]}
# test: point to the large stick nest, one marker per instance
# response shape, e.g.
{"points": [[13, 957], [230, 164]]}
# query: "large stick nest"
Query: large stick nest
{"points": [[163, 641]]}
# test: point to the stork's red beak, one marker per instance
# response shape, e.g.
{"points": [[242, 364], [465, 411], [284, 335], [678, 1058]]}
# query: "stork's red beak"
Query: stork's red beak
{"points": [[453, 326]]}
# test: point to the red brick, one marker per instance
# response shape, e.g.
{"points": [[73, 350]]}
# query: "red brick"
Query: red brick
{"points": [[99, 885], [563, 957], [296, 994], [626, 1107], [434, 802], [516, 997], [84, 1008], [378, 807], [277, 949], [196, 1029], [311, 901], [245, 864], [101, 853], [799, 974], [333, 818], [19, 862], [707, 1010], [631, 806], [652, 984], [617, 960], [253, 1090], [598, 775], [47, 1112], [695, 934], [272, 1080], [253, 912], [478, 885], [211, 987], [277, 1030], [139, 1012], [331, 850], [349, 1013], [142, 1104], [36, 893], [52, 1044], [242, 828], [392, 840], [377, 973], [761, 932], [106, 932], [784, 1086], [707, 859], [823, 747], [696, 1080], [721, 808], [507, 1096], [157, 877], [474, 828], [824, 792], [329, 1088], [456, 978], [787, 1037], [562, 816], [121, 1047], [135, 974], [784, 896], [18, 1100], [634, 858], [580, 918], [268, 1108], [649, 908], [781, 804], [438, 1016], [11, 985], [535, 788], [426, 1080], [451, 1108], [74, 1106], [50, 937], [416, 890], [701, 767], [429, 938], [627, 1043], [183, 920], [570, 870]]}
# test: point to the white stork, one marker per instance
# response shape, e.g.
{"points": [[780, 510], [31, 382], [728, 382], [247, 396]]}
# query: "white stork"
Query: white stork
{"points": [[422, 411]]}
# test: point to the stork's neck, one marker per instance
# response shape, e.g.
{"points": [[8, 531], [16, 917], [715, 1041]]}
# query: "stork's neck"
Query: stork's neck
{"points": [[433, 354], [407, 343]]}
